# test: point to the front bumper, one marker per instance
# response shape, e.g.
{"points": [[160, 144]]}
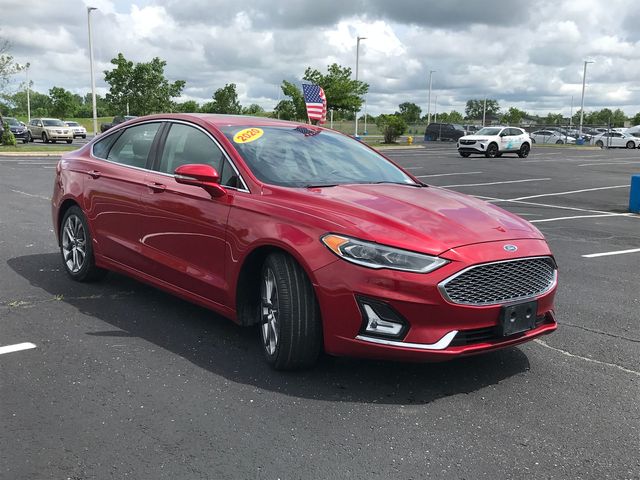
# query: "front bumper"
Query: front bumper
{"points": [[55, 135], [436, 328], [476, 147]]}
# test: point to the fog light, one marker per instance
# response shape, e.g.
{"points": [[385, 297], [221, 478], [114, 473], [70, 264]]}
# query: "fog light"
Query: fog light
{"points": [[380, 320]]}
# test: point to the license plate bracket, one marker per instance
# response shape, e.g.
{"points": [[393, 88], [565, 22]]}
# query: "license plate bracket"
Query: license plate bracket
{"points": [[518, 317]]}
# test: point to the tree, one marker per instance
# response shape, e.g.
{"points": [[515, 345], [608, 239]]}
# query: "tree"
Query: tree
{"points": [[513, 116], [451, 117], [190, 106], [410, 112], [7, 138], [475, 107], [7, 66], [17, 103], [253, 109], [63, 104], [635, 120], [391, 126], [225, 100], [285, 110], [140, 88]]}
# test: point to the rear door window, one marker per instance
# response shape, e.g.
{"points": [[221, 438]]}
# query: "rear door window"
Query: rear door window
{"points": [[133, 146]]}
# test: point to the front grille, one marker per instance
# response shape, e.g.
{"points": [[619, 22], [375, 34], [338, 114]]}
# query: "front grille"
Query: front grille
{"points": [[467, 142], [484, 335], [501, 282]]}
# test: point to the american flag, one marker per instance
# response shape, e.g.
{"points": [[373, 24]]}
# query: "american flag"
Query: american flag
{"points": [[316, 102]]}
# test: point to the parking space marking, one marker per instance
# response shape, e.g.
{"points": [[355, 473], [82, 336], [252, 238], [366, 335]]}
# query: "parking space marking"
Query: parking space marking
{"points": [[606, 163], [445, 174], [535, 204], [542, 220], [31, 195], [16, 348], [586, 359], [606, 254], [568, 192], [496, 183]]}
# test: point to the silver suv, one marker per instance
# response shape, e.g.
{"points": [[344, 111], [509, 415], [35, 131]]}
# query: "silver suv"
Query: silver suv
{"points": [[49, 130]]}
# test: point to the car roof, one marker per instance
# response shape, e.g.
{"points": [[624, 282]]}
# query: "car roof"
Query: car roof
{"points": [[219, 120]]}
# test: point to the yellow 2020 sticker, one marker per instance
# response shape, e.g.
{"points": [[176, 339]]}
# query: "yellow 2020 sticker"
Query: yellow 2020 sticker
{"points": [[248, 135]]}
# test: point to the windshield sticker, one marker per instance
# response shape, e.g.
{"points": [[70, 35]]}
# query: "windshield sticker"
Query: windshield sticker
{"points": [[248, 135]]}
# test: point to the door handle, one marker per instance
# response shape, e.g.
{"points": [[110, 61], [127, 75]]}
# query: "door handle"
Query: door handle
{"points": [[157, 187], [94, 173]]}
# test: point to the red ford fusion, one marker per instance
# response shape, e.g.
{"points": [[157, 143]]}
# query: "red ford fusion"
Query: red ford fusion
{"points": [[319, 240]]}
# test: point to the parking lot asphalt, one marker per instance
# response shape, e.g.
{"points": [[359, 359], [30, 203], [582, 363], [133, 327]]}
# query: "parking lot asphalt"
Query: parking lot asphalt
{"points": [[128, 382]]}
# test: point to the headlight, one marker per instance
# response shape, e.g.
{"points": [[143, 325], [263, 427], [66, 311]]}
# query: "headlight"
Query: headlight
{"points": [[373, 255]]}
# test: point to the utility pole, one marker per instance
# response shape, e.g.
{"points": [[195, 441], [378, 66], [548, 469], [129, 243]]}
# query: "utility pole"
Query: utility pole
{"points": [[484, 111], [431, 72], [93, 78], [357, 64], [571, 113], [26, 67]]}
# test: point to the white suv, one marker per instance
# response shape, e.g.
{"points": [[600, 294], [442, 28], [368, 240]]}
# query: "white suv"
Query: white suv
{"points": [[494, 141]]}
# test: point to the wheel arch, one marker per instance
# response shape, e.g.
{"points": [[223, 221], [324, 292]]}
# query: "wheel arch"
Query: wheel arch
{"points": [[64, 206], [247, 291]]}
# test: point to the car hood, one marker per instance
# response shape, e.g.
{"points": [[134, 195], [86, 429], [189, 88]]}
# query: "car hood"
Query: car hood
{"points": [[428, 219]]}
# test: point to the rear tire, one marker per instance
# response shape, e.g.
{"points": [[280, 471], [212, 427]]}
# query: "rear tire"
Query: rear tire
{"points": [[559, 142], [492, 151], [76, 247], [524, 150], [290, 324], [600, 144]]}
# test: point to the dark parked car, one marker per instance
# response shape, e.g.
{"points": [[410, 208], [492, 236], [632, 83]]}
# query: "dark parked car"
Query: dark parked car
{"points": [[444, 131], [315, 239], [116, 121], [17, 128]]}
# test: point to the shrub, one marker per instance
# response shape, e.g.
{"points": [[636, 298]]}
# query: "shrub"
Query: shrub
{"points": [[391, 126], [7, 137]]}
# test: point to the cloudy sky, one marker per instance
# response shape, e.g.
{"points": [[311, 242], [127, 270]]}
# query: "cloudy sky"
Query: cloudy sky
{"points": [[525, 53]]}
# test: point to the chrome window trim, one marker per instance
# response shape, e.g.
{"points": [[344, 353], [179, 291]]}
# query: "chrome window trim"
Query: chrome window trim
{"points": [[443, 292], [159, 120], [439, 345]]}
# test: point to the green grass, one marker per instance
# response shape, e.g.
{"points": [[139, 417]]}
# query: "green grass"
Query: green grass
{"points": [[22, 148]]}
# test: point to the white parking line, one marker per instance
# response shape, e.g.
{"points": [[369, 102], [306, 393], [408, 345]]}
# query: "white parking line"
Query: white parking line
{"points": [[445, 174], [542, 220], [546, 205], [16, 348], [31, 195], [606, 163], [606, 254], [495, 183], [568, 193]]}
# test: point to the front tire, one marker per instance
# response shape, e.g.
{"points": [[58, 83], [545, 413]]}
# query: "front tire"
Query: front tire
{"points": [[45, 139], [290, 325], [76, 247], [600, 144], [630, 144], [464, 154], [69, 141], [492, 151], [524, 150], [559, 142]]}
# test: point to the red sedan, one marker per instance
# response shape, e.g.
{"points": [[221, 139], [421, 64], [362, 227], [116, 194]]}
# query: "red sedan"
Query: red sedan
{"points": [[315, 237]]}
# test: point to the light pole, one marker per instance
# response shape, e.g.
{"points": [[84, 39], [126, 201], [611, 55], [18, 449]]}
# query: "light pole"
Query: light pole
{"points": [[484, 111], [26, 68], [93, 78], [357, 61], [435, 109], [584, 78], [431, 72], [571, 113]]}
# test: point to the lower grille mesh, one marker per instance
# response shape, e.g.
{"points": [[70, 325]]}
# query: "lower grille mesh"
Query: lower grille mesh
{"points": [[501, 282]]}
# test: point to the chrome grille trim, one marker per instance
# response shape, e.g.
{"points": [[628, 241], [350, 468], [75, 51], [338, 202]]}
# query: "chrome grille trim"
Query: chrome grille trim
{"points": [[543, 283]]}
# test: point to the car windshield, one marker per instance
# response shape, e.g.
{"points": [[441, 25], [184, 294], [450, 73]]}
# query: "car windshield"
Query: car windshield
{"points": [[458, 127], [308, 156], [73, 124], [488, 131], [12, 121], [53, 123]]}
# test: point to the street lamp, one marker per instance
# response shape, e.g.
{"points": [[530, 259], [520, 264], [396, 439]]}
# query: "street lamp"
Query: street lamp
{"points": [[357, 60], [93, 79], [584, 78], [431, 72], [26, 68]]}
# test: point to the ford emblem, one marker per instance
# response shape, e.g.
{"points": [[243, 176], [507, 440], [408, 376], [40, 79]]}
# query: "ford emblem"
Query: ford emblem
{"points": [[510, 248]]}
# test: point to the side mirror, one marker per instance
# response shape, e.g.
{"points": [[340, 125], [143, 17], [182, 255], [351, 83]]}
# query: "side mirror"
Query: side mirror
{"points": [[199, 175]]}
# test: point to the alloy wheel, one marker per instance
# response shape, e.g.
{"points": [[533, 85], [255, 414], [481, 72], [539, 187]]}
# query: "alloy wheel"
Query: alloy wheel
{"points": [[269, 306], [74, 241]]}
